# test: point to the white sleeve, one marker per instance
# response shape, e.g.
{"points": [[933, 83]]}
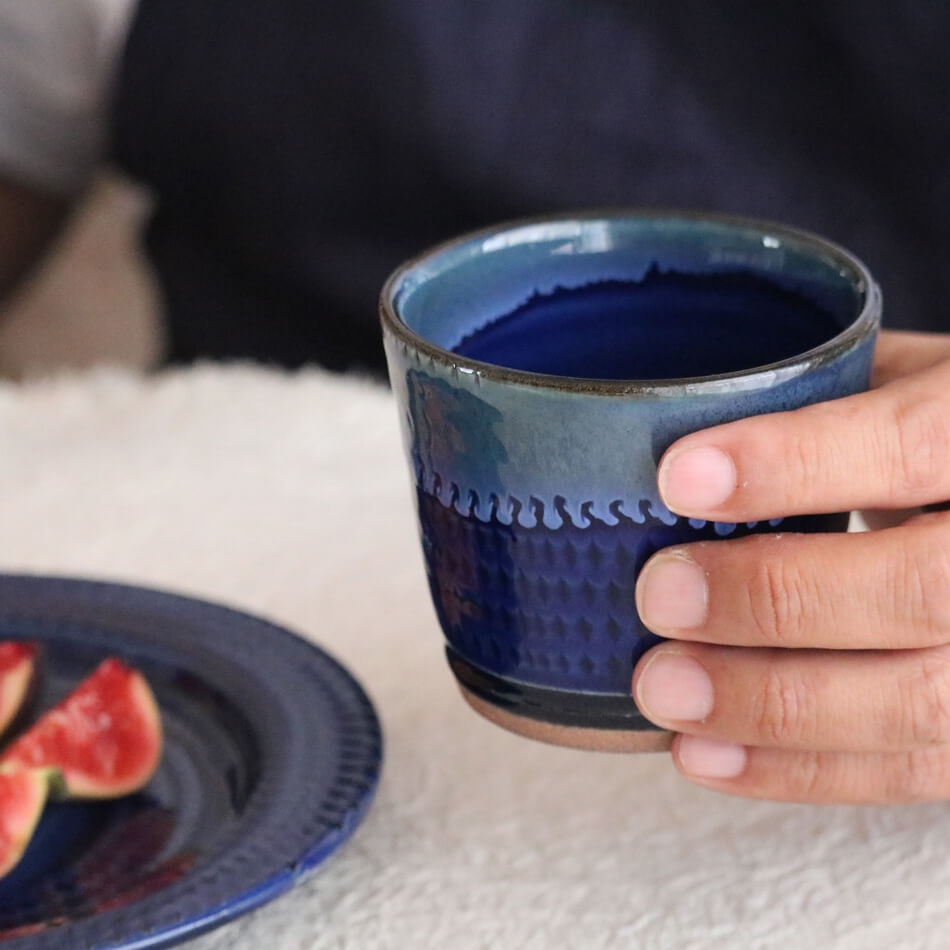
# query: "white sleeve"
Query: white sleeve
{"points": [[57, 60]]}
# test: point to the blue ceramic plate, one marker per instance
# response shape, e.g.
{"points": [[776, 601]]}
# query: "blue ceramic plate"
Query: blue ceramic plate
{"points": [[272, 755]]}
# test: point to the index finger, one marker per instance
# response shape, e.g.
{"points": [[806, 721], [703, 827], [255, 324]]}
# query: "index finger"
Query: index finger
{"points": [[901, 352], [887, 448]]}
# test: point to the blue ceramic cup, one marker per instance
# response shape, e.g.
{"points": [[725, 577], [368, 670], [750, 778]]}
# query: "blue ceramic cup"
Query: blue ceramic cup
{"points": [[541, 369]]}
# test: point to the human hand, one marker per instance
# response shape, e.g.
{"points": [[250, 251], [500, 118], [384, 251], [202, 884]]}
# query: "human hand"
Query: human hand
{"points": [[812, 668]]}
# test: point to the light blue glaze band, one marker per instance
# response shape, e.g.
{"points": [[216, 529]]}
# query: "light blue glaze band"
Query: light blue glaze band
{"points": [[520, 436], [507, 444]]}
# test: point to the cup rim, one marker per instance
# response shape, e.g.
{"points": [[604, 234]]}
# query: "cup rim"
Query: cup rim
{"points": [[863, 326]]}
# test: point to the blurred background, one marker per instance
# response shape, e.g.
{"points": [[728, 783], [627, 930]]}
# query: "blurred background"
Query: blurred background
{"points": [[365, 132], [94, 300]]}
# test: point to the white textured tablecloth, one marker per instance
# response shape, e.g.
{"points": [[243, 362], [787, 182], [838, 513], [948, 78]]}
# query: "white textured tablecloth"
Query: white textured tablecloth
{"points": [[286, 495]]}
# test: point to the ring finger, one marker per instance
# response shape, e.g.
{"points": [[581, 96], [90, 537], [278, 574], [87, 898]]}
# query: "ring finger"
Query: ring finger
{"points": [[816, 700]]}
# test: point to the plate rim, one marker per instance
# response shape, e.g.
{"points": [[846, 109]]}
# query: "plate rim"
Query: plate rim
{"points": [[96, 591]]}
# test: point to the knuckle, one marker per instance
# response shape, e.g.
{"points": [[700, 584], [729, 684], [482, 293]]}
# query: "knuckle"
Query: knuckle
{"points": [[781, 713], [803, 460], [915, 776], [811, 776], [813, 462], [925, 701], [922, 449], [776, 600], [920, 581]]}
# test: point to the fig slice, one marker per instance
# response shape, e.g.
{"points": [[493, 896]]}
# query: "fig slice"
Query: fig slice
{"points": [[22, 799], [19, 663], [104, 739]]}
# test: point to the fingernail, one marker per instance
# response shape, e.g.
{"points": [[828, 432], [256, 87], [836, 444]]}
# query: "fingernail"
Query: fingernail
{"points": [[671, 593], [697, 480], [710, 758], [673, 687]]}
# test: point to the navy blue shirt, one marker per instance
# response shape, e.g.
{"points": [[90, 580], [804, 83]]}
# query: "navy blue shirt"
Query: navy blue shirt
{"points": [[300, 150]]}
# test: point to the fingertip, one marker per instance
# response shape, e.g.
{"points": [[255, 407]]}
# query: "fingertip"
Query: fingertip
{"points": [[672, 593], [696, 480], [702, 759]]}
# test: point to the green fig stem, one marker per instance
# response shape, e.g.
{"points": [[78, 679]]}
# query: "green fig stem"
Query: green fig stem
{"points": [[57, 789]]}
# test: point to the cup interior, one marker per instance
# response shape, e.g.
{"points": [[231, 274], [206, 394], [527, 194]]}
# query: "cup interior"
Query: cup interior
{"points": [[457, 291]]}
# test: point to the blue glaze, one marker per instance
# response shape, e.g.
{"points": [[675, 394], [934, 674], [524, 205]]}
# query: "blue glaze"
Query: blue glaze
{"points": [[536, 490], [664, 326], [553, 607], [271, 757]]}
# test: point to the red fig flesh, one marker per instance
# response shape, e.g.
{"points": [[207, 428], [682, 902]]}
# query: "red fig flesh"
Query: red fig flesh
{"points": [[18, 664], [22, 798], [104, 739]]}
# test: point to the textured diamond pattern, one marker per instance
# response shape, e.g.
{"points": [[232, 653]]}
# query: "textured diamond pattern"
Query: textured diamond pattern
{"points": [[553, 607]]}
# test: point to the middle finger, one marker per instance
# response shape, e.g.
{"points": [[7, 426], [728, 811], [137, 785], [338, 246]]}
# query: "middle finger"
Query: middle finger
{"points": [[875, 590]]}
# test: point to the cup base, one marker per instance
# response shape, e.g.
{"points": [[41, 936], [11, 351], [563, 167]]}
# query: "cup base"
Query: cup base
{"points": [[572, 737], [577, 720]]}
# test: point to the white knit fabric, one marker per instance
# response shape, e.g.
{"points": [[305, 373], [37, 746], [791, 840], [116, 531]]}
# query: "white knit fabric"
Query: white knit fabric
{"points": [[286, 495]]}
